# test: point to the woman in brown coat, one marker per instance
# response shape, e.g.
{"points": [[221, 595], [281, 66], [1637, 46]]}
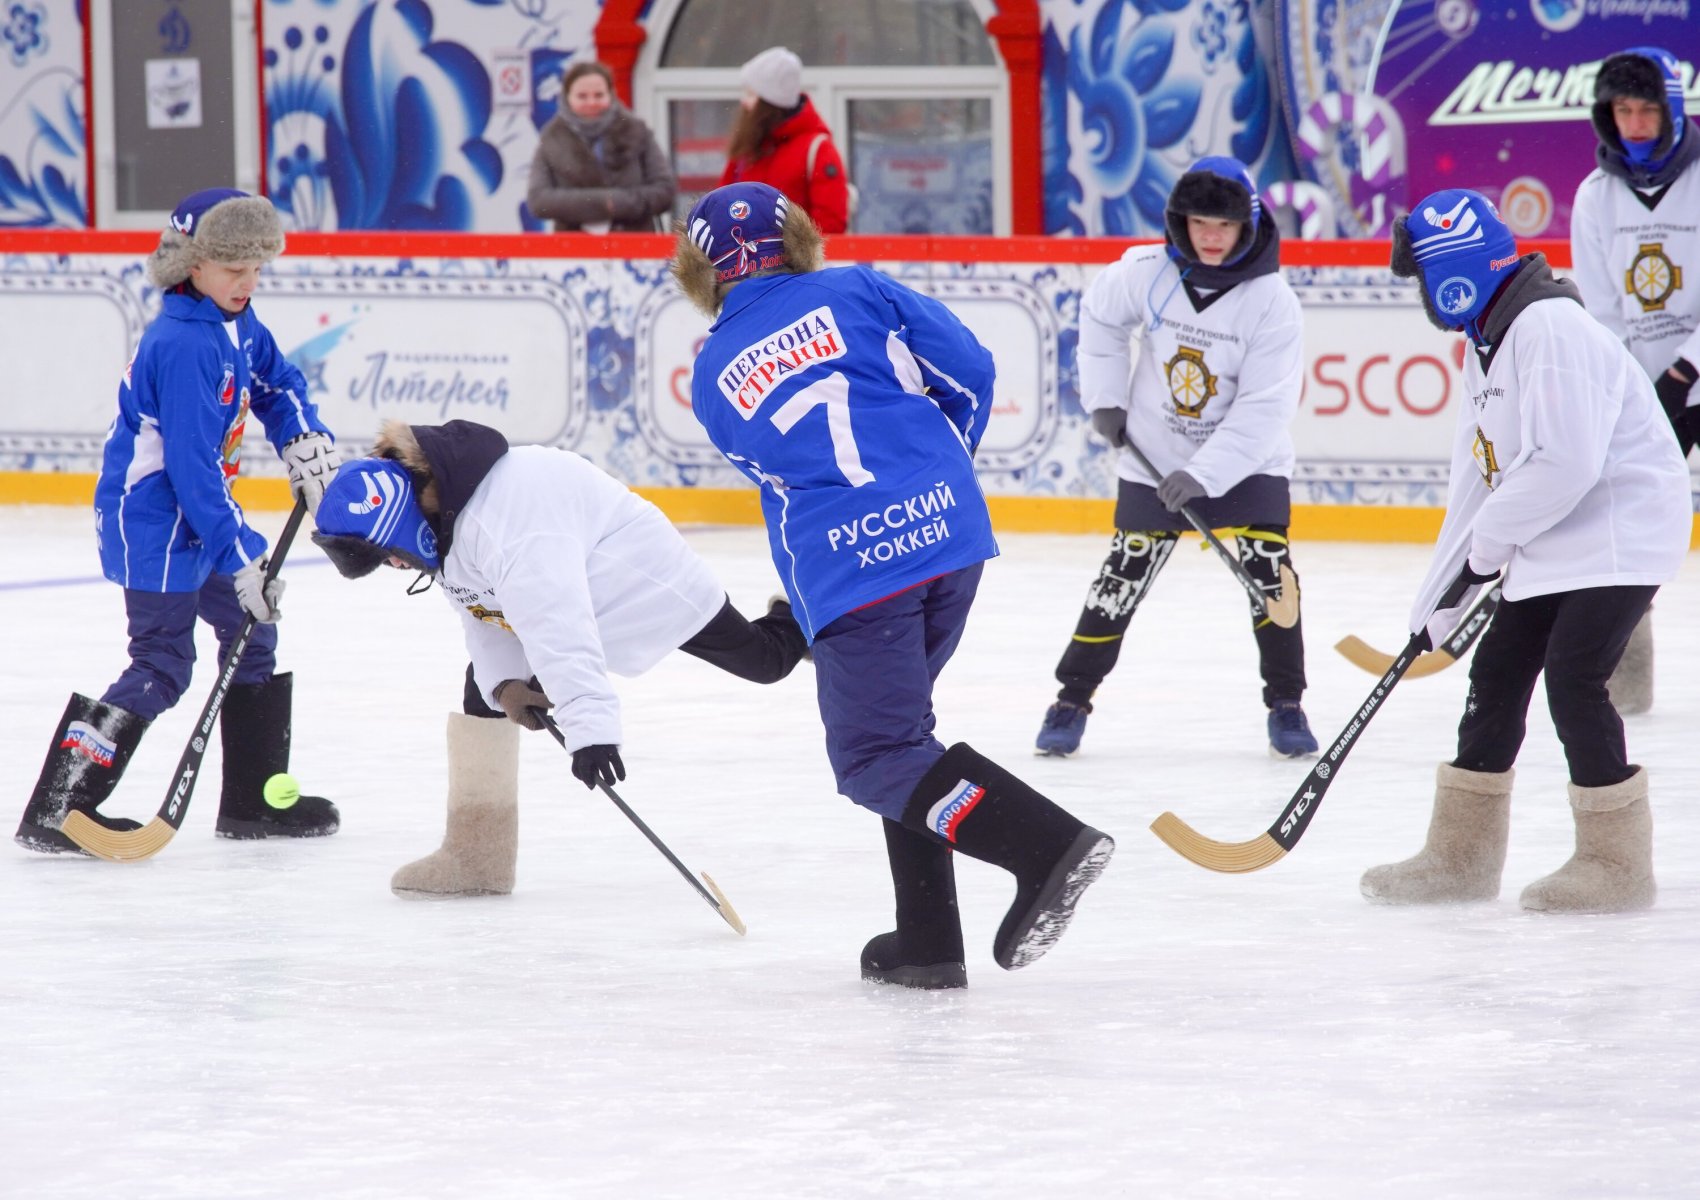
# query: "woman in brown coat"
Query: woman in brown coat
{"points": [[597, 167]]}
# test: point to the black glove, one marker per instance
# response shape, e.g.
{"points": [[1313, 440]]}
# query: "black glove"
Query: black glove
{"points": [[598, 764], [1673, 392], [1178, 488], [518, 699], [1473, 576], [1111, 425]]}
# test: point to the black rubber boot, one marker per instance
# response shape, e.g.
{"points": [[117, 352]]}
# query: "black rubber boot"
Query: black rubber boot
{"points": [[87, 759], [254, 726], [973, 804], [925, 950]]}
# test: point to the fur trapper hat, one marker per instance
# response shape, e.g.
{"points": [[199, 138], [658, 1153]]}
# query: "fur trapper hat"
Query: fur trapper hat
{"points": [[396, 441], [1642, 73], [217, 225], [738, 232], [1218, 187]]}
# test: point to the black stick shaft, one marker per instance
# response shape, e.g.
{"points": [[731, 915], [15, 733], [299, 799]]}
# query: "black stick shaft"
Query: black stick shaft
{"points": [[176, 805], [1252, 587], [1290, 826], [555, 731]]}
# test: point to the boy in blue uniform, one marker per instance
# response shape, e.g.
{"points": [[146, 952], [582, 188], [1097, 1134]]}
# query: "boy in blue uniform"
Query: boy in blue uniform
{"points": [[172, 536], [856, 405]]}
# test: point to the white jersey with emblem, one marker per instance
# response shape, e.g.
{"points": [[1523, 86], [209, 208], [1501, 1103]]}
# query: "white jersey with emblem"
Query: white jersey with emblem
{"points": [[562, 572], [1639, 268], [1564, 470], [1217, 378]]}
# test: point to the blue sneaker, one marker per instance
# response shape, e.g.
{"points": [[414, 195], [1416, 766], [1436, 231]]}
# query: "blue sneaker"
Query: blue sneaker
{"points": [[1059, 736], [1289, 732]]}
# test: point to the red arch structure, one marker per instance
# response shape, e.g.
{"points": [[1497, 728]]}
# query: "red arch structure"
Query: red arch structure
{"points": [[620, 34]]}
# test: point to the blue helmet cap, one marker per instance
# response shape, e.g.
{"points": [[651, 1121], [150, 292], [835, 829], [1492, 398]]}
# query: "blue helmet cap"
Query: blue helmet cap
{"points": [[186, 217], [1462, 251], [368, 514], [741, 229]]}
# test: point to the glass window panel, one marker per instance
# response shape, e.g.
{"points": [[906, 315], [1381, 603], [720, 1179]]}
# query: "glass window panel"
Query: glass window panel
{"points": [[845, 33], [699, 129], [922, 165]]}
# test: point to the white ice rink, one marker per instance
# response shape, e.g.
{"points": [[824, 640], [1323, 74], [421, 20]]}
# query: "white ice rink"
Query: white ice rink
{"points": [[240, 1019]]}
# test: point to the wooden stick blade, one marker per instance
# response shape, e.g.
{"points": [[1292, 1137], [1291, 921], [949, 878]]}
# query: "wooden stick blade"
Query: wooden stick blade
{"points": [[1230, 858], [117, 845], [1283, 610], [1361, 654], [724, 906]]}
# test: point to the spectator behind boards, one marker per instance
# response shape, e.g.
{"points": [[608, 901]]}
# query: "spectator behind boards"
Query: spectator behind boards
{"points": [[598, 168], [780, 140]]}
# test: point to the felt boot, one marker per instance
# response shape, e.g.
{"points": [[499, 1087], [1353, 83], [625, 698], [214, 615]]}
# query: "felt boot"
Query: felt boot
{"points": [[1631, 685], [1612, 868], [925, 950], [90, 750], [254, 728], [481, 841], [974, 805], [1465, 852]]}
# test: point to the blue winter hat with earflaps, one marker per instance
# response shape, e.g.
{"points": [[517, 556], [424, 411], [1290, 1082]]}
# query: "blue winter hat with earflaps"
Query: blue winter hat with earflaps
{"points": [[1460, 251], [368, 514], [216, 225]]}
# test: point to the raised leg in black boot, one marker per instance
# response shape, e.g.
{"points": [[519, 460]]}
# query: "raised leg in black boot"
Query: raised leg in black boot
{"points": [[969, 802], [925, 950], [255, 727], [90, 750]]}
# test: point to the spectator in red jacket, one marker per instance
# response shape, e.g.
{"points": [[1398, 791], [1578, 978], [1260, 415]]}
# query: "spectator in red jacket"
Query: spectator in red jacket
{"points": [[780, 140]]}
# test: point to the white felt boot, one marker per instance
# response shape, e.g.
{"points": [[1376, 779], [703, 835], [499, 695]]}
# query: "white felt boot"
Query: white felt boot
{"points": [[1612, 869], [1631, 685], [481, 842], [1465, 852]]}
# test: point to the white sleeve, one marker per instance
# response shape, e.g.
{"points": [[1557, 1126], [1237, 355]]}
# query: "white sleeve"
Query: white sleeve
{"points": [[1465, 495], [1109, 315], [1271, 376], [496, 655], [1589, 242], [1565, 418], [545, 591]]}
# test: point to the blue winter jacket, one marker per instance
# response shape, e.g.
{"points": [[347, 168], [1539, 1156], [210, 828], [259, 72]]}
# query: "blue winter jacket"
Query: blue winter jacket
{"points": [[164, 515], [856, 404]]}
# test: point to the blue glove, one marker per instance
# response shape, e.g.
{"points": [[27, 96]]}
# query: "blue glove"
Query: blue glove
{"points": [[1178, 488], [598, 764]]}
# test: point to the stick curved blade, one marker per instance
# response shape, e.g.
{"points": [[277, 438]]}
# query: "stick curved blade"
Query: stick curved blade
{"points": [[724, 906], [1230, 858], [1361, 654], [117, 845], [1283, 610]]}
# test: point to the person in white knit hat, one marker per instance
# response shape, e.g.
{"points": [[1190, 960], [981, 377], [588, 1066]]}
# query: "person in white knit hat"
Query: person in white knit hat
{"points": [[781, 140]]}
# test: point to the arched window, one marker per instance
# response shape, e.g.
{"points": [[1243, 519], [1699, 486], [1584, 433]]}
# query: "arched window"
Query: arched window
{"points": [[912, 89]]}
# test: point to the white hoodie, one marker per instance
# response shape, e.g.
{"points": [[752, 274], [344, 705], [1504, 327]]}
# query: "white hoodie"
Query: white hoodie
{"points": [[1565, 471], [562, 572]]}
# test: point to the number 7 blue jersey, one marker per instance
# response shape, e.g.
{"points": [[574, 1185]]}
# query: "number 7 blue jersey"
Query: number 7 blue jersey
{"points": [[856, 405]]}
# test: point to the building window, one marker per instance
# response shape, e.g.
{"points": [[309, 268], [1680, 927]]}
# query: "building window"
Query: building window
{"points": [[912, 90]]}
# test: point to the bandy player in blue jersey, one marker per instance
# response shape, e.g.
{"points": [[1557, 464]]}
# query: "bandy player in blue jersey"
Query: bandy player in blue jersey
{"points": [[855, 404]]}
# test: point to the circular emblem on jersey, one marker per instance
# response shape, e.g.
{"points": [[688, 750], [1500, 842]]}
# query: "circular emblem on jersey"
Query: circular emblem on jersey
{"points": [[1652, 277], [738, 209], [1486, 461], [1455, 295], [1190, 382], [427, 542], [1558, 15]]}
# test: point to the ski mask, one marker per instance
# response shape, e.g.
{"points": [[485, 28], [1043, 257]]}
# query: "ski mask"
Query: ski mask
{"points": [[1461, 253]]}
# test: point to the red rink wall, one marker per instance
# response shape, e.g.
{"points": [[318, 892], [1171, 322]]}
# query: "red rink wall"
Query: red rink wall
{"points": [[581, 341]]}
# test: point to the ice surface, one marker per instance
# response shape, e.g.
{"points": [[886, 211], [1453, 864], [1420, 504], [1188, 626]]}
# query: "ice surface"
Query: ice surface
{"points": [[239, 1019]]}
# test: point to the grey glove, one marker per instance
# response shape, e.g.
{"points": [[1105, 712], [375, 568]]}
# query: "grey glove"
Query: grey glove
{"points": [[518, 698], [312, 461], [1178, 488], [1111, 425], [258, 597]]}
